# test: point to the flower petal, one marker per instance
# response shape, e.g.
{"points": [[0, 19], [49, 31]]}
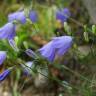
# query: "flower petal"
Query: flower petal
{"points": [[2, 56], [48, 51], [62, 44], [13, 45], [27, 67], [30, 53], [19, 16], [4, 74], [33, 16], [7, 31], [58, 46], [63, 14]]}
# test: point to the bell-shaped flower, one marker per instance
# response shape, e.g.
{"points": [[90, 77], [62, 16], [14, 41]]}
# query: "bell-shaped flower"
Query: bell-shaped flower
{"points": [[48, 51], [2, 56], [62, 44], [7, 31], [27, 67], [19, 16], [31, 53], [58, 46], [13, 45], [33, 16], [4, 74], [63, 15]]}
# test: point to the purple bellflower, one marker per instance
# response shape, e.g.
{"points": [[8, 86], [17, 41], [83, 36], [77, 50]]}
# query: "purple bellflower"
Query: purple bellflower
{"points": [[31, 53], [33, 16], [13, 45], [20, 16], [7, 31], [4, 74], [63, 15], [62, 44], [48, 51], [27, 67], [2, 56], [58, 46]]}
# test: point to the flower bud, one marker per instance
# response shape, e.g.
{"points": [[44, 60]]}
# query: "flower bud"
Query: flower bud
{"points": [[93, 29], [86, 36]]}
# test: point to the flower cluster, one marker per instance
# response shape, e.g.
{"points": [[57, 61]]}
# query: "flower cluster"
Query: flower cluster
{"points": [[57, 46], [5, 73], [8, 31], [21, 17], [63, 14]]}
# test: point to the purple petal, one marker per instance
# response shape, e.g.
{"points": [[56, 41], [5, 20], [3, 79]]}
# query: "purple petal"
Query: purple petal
{"points": [[2, 56], [33, 16], [62, 44], [58, 46], [27, 67], [48, 51], [7, 31], [13, 45], [19, 16], [4, 74], [66, 12], [30, 53], [63, 15]]}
